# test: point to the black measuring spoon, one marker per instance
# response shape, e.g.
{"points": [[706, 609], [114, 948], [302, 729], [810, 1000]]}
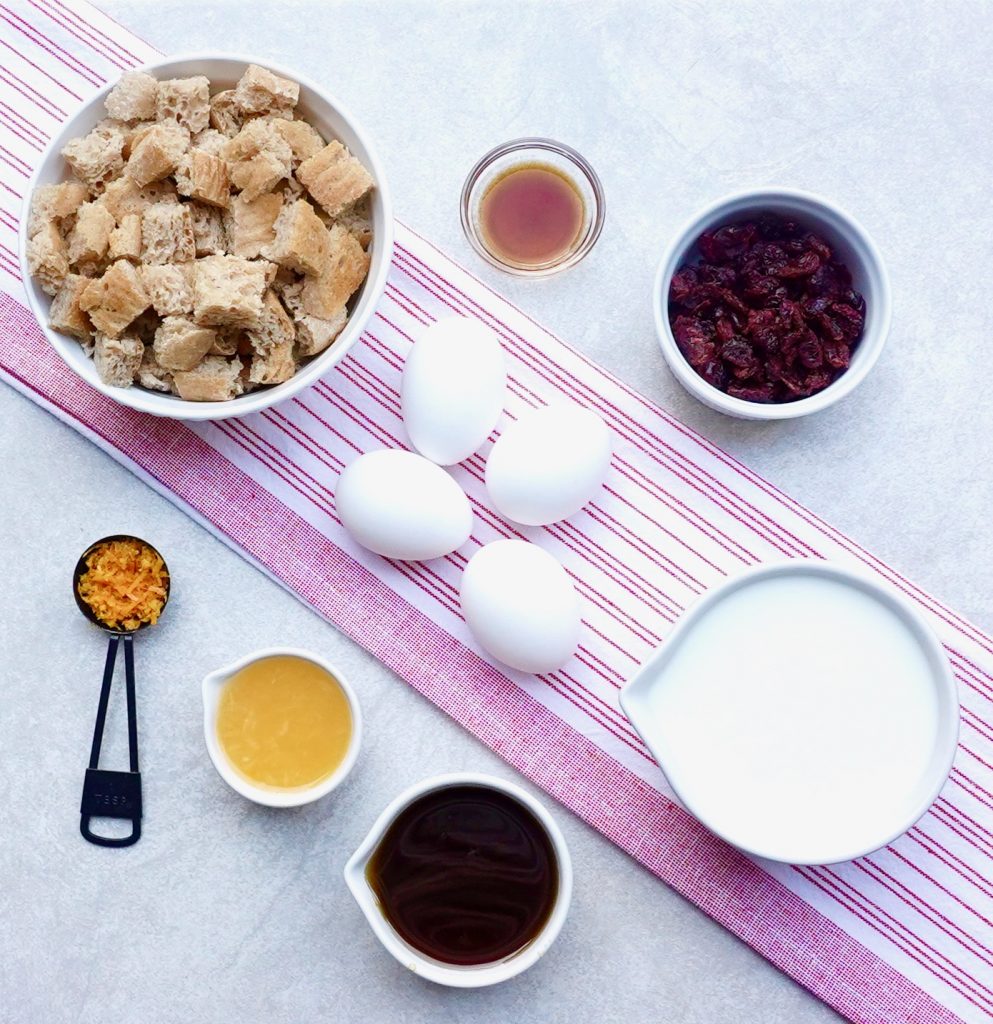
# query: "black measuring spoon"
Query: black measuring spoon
{"points": [[113, 794]]}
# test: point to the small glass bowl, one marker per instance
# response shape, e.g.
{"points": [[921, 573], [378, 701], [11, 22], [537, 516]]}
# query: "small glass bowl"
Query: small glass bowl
{"points": [[522, 152]]}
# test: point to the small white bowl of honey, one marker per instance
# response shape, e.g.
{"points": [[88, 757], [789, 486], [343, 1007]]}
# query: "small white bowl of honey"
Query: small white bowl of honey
{"points": [[282, 726]]}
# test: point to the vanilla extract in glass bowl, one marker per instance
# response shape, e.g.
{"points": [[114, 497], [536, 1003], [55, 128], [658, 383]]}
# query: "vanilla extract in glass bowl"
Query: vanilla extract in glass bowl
{"points": [[532, 207]]}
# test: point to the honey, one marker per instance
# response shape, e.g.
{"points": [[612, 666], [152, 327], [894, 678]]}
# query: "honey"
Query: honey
{"points": [[532, 215], [284, 722]]}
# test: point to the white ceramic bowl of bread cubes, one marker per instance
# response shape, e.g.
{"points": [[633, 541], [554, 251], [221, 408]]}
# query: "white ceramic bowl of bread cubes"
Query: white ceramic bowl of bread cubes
{"points": [[234, 280]]}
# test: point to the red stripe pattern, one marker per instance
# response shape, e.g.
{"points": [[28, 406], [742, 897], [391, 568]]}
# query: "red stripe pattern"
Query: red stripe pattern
{"points": [[906, 934]]}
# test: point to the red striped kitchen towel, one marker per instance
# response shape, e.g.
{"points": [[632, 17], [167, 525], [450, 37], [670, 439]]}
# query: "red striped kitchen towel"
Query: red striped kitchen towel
{"points": [[903, 935]]}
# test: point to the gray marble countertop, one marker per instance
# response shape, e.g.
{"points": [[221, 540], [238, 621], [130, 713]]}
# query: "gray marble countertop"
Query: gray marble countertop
{"points": [[228, 912]]}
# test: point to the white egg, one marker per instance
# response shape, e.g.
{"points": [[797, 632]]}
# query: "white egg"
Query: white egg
{"points": [[453, 388], [548, 464], [521, 606], [402, 506]]}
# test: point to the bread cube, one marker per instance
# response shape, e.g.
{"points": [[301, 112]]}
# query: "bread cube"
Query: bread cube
{"points": [[334, 178], [274, 365], [315, 334], [48, 259], [250, 224], [302, 138], [275, 326], [325, 293], [204, 177], [227, 291], [358, 220], [258, 175], [65, 314], [90, 236], [133, 98], [210, 140], [114, 300], [167, 234], [259, 91], [216, 379], [96, 158], [259, 158], [55, 203], [158, 153], [208, 229], [169, 287], [180, 344], [153, 376], [125, 196], [302, 242], [125, 239], [185, 101], [118, 359], [225, 114]]}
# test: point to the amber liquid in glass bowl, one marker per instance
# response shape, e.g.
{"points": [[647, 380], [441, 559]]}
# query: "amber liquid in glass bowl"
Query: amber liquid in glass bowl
{"points": [[531, 215]]}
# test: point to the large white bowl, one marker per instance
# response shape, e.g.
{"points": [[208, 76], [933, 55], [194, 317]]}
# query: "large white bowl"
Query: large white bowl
{"points": [[427, 967], [334, 122], [846, 237], [807, 713]]}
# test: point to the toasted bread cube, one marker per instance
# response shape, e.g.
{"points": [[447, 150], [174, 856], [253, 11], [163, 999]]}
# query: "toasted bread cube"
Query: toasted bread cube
{"points": [[315, 334], [358, 220], [348, 263], [133, 98], [250, 224], [302, 242], [180, 344], [208, 229], [55, 203], [90, 236], [216, 379], [259, 91], [65, 314], [227, 291], [275, 326], [210, 140], [125, 239], [114, 300], [48, 258], [259, 158], [97, 158], [185, 101], [118, 359], [204, 177], [225, 114], [167, 234], [158, 153], [169, 287], [334, 178], [125, 196], [258, 175], [302, 137], [274, 365], [153, 376]]}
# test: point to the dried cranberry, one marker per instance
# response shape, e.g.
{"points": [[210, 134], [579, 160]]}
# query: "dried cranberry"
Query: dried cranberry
{"points": [[768, 314]]}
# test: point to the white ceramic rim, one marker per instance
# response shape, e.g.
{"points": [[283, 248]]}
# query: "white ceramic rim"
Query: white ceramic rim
{"points": [[211, 688], [946, 742], [169, 406], [426, 967], [869, 348]]}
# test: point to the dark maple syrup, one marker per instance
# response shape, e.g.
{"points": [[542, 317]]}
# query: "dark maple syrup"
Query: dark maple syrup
{"points": [[531, 215], [466, 875]]}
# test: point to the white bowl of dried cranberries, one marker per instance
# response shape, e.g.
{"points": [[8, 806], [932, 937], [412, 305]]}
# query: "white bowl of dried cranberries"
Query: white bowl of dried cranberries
{"points": [[771, 304]]}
